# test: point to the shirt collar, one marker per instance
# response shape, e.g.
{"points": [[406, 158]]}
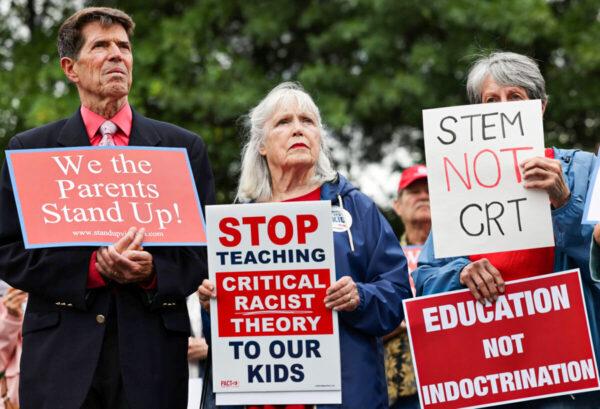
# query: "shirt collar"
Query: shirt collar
{"points": [[92, 121]]}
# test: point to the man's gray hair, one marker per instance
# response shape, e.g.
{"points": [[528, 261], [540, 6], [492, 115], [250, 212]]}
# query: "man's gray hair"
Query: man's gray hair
{"points": [[255, 179], [507, 69]]}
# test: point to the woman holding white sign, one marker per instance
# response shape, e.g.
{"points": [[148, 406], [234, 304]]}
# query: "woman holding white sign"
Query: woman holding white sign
{"points": [[285, 159], [563, 174]]}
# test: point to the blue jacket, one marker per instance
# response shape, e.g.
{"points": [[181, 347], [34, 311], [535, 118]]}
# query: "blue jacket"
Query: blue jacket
{"points": [[371, 255], [572, 243]]}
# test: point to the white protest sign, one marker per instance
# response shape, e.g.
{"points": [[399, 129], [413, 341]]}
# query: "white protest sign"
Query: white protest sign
{"points": [[591, 214], [271, 264], [478, 202]]}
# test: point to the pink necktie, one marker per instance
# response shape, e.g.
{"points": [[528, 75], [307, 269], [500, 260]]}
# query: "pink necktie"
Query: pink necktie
{"points": [[107, 130]]}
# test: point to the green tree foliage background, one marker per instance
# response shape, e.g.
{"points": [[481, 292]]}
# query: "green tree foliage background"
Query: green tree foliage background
{"points": [[372, 65]]}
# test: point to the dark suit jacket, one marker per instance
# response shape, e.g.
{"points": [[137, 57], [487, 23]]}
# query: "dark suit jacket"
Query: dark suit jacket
{"points": [[62, 337]]}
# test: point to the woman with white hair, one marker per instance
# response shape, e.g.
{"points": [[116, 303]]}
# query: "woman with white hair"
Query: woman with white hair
{"points": [[564, 174], [286, 159]]}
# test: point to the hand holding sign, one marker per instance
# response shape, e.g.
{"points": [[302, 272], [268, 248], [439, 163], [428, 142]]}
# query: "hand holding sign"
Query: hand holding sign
{"points": [[546, 174], [483, 279], [343, 295], [206, 291], [125, 261]]}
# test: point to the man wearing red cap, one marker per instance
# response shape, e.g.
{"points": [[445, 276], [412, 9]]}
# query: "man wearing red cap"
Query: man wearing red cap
{"points": [[412, 206]]}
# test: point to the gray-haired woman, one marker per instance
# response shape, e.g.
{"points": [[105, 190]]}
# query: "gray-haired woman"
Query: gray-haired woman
{"points": [[564, 175], [286, 159], [505, 76]]}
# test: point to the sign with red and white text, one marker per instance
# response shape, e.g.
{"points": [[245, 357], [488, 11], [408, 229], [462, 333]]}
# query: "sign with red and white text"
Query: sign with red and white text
{"points": [[412, 253], [91, 196], [533, 342], [591, 212], [478, 202], [272, 264]]}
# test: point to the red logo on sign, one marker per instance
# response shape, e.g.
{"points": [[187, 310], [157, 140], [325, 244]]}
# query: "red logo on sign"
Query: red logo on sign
{"points": [[228, 383]]}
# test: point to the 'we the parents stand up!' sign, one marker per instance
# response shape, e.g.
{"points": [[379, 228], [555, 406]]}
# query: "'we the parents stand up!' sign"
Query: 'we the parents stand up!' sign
{"points": [[90, 196]]}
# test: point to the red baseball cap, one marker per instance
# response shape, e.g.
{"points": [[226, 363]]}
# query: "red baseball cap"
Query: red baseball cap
{"points": [[412, 174]]}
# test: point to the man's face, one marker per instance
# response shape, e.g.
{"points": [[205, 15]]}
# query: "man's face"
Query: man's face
{"points": [[104, 66], [412, 205]]}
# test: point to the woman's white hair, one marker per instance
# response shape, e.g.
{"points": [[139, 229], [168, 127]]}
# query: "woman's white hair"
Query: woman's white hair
{"points": [[255, 179], [507, 69]]}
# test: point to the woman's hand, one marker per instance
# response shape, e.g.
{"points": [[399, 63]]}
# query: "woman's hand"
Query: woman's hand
{"points": [[597, 234], [483, 279], [206, 291], [197, 349], [13, 301], [343, 295], [546, 174]]}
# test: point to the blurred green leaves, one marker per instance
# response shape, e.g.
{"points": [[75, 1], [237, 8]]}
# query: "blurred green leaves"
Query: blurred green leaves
{"points": [[372, 66]]}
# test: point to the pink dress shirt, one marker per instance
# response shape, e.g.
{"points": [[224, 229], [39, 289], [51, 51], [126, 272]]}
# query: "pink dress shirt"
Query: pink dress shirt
{"points": [[92, 121], [122, 119]]}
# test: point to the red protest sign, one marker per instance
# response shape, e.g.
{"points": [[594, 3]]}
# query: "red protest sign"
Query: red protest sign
{"points": [[534, 341], [274, 302], [91, 196]]}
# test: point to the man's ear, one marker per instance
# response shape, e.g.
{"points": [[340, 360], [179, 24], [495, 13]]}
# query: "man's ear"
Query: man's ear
{"points": [[68, 66], [397, 207]]}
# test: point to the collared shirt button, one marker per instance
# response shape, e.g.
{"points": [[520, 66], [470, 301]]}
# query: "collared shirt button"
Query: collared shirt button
{"points": [[100, 319]]}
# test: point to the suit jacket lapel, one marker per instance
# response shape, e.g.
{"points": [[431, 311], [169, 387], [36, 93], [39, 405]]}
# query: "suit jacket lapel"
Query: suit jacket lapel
{"points": [[73, 133], [143, 133]]}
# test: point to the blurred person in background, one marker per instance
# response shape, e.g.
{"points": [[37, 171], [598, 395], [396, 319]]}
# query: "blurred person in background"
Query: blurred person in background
{"points": [[564, 174], [12, 308], [412, 206], [286, 159]]}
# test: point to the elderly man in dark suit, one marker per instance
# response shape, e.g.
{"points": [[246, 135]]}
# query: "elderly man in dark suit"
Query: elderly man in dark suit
{"points": [[104, 328]]}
